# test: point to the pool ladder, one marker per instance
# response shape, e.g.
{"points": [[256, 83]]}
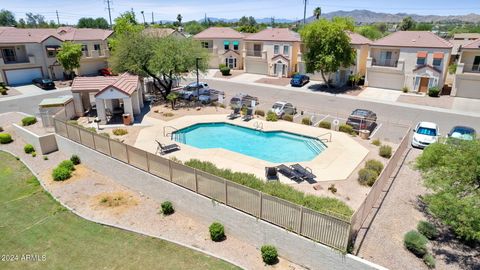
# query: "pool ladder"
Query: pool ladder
{"points": [[258, 125]]}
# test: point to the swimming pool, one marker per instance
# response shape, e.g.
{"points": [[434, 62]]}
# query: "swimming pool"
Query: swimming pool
{"points": [[272, 146]]}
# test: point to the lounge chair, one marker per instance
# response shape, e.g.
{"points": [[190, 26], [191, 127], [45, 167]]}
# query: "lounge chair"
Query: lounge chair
{"points": [[289, 173], [165, 149], [235, 114], [271, 173], [249, 115], [305, 172]]}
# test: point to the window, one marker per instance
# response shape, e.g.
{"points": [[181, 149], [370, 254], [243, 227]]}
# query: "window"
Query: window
{"points": [[286, 49], [235, 45], [96, 47], [226, 45], [9, 55], [84, 48], [421, 61], [437, 62], [276, 49], [476, 63], [51, 51]]}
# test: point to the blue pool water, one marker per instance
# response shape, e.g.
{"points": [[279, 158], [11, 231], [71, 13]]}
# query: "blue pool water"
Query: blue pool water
{"points": [[274, 146]]}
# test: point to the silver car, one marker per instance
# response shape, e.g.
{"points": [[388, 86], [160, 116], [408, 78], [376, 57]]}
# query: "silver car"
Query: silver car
{"points": [[281, 108]]}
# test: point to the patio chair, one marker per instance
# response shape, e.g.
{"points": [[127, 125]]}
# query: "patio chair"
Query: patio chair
{"points": [[289, 173], [235, 114], [271, 173], [305, 172], [165, 149], [249, 115]]}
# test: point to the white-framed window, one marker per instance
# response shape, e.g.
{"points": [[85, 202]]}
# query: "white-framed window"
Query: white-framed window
{"points": [[276, 49], [437, 62], [286, 49]]}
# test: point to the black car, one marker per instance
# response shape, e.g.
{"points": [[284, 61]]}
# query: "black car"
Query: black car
{"points": [[299, 80], [361, 119], [46, 84]]}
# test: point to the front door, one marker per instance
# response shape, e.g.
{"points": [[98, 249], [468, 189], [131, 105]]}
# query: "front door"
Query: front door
{"points": [[279, 69], [232, 63], [423, 88]]}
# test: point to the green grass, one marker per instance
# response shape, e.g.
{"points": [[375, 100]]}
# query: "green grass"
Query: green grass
{"points": [[31, 222]]}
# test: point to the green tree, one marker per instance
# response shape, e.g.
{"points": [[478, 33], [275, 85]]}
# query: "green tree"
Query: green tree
{"points": [[317, 12], [99, 23], [452, 172], [193, 27], [7, 18], [172, 97], [327, 47], [369, 31], [124, 24], [36, 20], [21, 23], [407, 24], [179, 19], [248, 29], [164, 59], [69, 56], [247, 21], [382, 27], [423, 26]]}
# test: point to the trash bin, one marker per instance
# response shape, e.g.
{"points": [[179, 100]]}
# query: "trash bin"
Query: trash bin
{"points": [[127, 119], [364, 133]]}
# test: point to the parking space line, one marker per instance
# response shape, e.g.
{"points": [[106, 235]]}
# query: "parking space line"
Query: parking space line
{"points": [[318, 122], [375, 130]]}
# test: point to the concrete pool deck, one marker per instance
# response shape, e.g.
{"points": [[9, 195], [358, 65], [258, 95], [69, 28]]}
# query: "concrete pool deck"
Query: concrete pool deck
{"points": [[337, 162]]}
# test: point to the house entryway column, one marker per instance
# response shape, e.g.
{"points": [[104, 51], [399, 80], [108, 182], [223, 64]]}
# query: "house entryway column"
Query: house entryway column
{"points": [[128, 107], [101, 109]]}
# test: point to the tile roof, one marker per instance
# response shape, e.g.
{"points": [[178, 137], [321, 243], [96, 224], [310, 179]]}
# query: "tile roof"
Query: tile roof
{"points": [[218, 32], [357, 39], [126, 83], [417, 39], [472, 45], [275, 34], [37, 35]]}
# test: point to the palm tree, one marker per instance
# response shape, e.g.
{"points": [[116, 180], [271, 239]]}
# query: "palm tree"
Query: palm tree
{"points": [[179, 19], [317, 12]]}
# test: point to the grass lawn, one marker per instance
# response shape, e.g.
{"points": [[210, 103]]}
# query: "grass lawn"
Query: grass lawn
{"points": [[31, 222]]}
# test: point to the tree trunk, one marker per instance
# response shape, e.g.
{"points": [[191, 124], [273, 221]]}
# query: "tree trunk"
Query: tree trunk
{"points": [[324, 79]]}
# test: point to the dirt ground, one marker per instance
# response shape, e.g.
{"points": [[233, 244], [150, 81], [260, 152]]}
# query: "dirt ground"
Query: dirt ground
{"points": [[275, 81], [233, 74], [165, 113]]}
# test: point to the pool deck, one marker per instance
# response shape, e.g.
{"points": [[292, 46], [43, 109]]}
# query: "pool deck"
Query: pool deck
{"points": [[337, 162]]}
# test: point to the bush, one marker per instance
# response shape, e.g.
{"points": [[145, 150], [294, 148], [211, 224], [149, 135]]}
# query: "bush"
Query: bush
{"points": [[385, 151], [325, 124], [429, 260], [220, 66], [75, 159], [167, 208], [427, 229], [120, 132], [29, 120], [376, 142], [271, 116], [269, 254], [5, 138], [67, 164], [260, 112], [225, 71], [307, 121], [3, 92], [346, 129], [434, 91], [416, 243], [288, 117], [405, 89], [45, 157], [28, 148], [217, 232], [374, 165], [367, 177], [34, 154], [61, 173]]}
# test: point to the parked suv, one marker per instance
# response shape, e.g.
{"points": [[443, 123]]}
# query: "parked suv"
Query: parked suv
{"points": [[281, 108], [243, 100], [45, 84], [361, 119]]}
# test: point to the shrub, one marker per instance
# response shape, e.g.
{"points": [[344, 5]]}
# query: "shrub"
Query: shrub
{"points": [[3, 92], [29, 120], [34, 154], [61, 173], [288, 117], [45, 157], [260, 112], [269, 254], [374, 165], [217, 232], [1, 129], [434, 91], [346, 129], [225, 71], [416, 243], [220, 66], [332, 188], [385, 151], [367, 177], [67, 164], [429, 260], [5, 138], [427, 229], [271, 116], [75, 159], [307, 121], [376, 142], [405, 89], [325, 124], [120, 132], [167, 208], [28, 148]]}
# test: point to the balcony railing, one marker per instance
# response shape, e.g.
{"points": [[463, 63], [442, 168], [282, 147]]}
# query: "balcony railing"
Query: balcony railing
{"points": [[254, 53], [385, 62]]}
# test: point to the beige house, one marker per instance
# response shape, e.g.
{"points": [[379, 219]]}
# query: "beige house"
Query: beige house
{"points": [[225, 46], [417, 60], [110, 96], [26, 54], [467, 77]]}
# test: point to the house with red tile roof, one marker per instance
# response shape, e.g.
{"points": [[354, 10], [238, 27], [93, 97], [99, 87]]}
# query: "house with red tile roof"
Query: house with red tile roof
{"points": [[411, 60], [111, 96], [26, 54], [467, 76]]}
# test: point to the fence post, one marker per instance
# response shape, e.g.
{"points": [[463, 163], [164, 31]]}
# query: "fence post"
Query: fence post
{"points": [[226, 193], [261, 200], [170, 170], [109, 148], [301, 221], [66, 128], [126, 151], [196, 180], [148, 161]]}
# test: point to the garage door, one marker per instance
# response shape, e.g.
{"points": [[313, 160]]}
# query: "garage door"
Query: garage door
{"points": [[256, 67], [22, 76], [468, 88], [385, 80]]}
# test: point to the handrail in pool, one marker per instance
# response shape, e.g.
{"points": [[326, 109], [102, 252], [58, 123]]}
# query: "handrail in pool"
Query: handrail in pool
{"points": [[324, 134], [168, 134]]}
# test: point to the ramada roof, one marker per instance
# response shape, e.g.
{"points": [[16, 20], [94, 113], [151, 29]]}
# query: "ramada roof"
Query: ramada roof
{"points": [[218, 32], [275, 34], [37, 35], [126, 83], [472, 45], [417, 39]]}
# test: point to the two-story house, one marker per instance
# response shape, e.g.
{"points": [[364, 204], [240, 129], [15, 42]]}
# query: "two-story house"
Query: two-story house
{"points": [[26, 54], [467, 76], [225, 46], [417, 60], [273, 51]]}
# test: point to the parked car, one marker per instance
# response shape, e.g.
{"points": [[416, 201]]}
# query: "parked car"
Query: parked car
{"points": [[192, 90], [299, 80], [210, 95], [424, 134], [243, 100], [462, 133], [281, 108], [361, 119], [45, 84], [105, 72]]}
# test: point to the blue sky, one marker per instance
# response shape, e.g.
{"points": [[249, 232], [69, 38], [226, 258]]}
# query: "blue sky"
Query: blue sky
{"points": [[71, 11]]}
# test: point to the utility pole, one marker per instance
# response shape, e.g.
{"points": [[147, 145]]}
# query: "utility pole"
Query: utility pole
{"points": [[143, 15], [304, 11], [153, 21], [58, 19], [109, 12]]}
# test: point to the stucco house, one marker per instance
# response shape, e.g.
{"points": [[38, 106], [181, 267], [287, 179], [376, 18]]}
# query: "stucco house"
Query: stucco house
{"points": [[225, 46], [417, 60], [110, 95], [467, 76], [273, 51], [26, 54]]}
